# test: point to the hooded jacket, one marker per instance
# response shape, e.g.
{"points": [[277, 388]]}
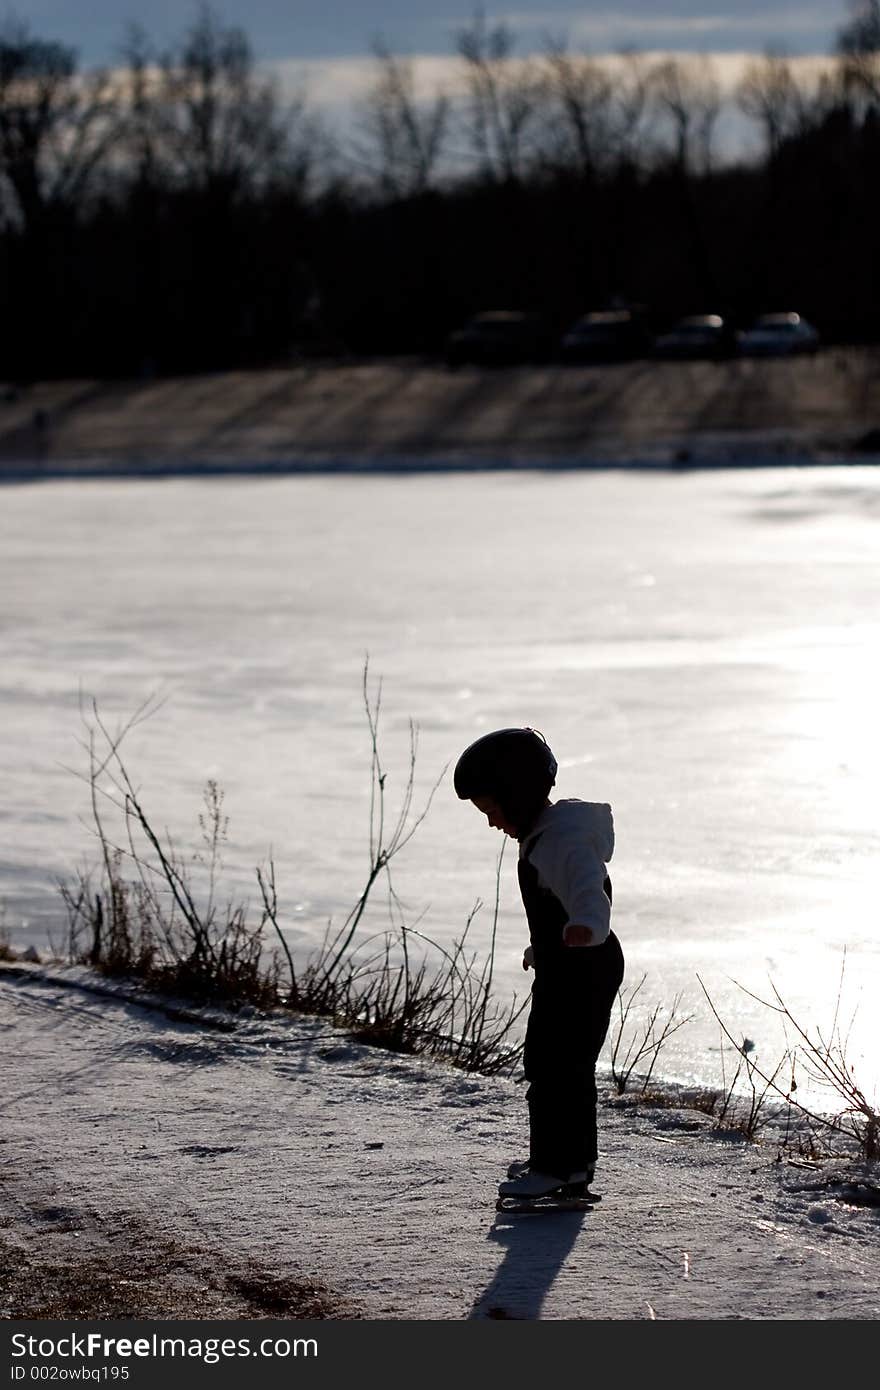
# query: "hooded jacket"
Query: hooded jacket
{"points": [[568, 847]]}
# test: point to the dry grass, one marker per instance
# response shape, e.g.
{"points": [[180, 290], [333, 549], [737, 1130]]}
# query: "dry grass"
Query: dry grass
{"points": [[822, 1055], [637, 1043], [148, 912]]}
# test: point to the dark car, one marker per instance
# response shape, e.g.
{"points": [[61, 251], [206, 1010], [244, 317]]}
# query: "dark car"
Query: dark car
{"points": [[697, 336], [499, 337], [778, 335], [613, 335]]}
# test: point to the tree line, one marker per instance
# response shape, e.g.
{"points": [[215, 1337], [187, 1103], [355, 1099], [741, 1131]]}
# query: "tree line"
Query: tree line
{"points": [[179, 212]]}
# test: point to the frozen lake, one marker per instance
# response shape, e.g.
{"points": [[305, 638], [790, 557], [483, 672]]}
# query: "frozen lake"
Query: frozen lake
{"points": [[701, 650]]}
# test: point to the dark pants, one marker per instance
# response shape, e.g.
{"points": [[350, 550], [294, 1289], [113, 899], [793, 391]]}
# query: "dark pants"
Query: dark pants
{"points": [[567, 1026]]}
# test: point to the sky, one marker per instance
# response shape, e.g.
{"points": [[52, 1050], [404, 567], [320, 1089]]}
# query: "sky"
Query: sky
{"points": [[313, 30], [321, 50]]}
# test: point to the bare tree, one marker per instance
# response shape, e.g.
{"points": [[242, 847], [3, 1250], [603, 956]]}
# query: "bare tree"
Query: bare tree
{"points": [[862, 33], [581, 94], [770, 95], [218, 122], [688, 95], [632, 81], [403, 139], [139, 114], [504, 97], [858, 44], [55, 125], [597, 107]]}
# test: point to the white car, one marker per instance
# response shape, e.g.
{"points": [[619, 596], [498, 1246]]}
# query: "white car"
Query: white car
{"points": [[777, 335]]}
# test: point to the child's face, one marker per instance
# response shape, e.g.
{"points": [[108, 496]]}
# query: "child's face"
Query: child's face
{"points": [[494, 815]]}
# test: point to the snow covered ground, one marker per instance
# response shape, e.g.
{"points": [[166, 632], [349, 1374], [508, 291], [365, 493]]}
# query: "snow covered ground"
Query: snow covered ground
{"points": [[279, 1139]]}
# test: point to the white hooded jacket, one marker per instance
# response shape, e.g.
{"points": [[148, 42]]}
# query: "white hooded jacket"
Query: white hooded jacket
{"points": [[569, 845]]}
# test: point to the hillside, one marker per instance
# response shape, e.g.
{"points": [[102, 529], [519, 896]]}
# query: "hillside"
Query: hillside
{"points": [[400, 412]]}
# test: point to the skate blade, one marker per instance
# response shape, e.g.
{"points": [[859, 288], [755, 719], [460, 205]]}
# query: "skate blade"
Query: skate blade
{"points": [[532, 1206]]}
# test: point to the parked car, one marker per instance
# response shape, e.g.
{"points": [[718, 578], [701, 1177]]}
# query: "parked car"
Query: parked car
{"points": [[778, 335], [499, 337], [614, 335], [698, 335]]}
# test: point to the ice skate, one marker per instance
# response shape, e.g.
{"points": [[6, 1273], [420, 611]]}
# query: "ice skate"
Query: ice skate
{"points": [[533, 1191], [523, 1165]]}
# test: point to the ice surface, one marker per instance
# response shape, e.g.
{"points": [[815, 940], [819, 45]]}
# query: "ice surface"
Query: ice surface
{"points": [[700, 649]]}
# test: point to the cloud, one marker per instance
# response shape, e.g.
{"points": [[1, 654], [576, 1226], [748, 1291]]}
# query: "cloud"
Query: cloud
{"points": [[335, 82], [609, 28], [338, 85]]}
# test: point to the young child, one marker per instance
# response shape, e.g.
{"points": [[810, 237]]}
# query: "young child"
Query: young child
{"points": [[577, 960]]}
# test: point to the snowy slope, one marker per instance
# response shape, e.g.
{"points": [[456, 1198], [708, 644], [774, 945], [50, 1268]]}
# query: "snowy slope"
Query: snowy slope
{"points": [[282, 1139]]}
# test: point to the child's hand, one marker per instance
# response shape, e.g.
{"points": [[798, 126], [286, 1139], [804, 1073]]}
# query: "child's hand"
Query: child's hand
{"points": [[576, 935], [528, 959]]}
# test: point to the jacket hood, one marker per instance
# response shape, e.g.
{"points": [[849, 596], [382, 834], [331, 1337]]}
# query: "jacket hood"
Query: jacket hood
{"points": [[589, 820]]}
